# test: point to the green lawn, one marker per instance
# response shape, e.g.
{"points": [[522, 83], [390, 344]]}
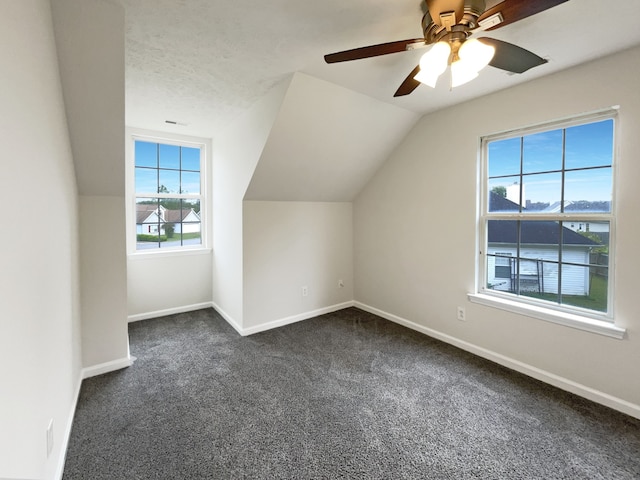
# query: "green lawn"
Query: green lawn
{"points": [[163, 238], [186, 236], [596, 300]]}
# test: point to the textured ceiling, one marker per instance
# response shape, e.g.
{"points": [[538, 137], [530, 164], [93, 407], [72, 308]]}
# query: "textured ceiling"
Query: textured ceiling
{"points": [[203, 62]]}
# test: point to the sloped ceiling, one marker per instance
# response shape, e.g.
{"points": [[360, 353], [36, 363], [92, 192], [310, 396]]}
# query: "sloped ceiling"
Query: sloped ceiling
{"points": [[326, 143], [204, 62], [90, 46]]}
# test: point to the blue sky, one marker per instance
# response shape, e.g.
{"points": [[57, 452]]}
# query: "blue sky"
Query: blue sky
{"points": [[589, 145], [166, 161]]}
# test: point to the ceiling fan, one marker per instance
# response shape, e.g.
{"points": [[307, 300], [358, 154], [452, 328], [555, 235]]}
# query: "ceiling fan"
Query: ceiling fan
{"points": [[447, 25]]}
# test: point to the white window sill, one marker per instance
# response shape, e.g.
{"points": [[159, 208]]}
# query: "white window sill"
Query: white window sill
{"points": [[572, 320], [160, 253]]}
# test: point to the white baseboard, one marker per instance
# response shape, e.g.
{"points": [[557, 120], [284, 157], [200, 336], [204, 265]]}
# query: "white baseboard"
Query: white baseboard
{"points": [[66, 436], [295, 318], [84, 373], [263, 327], [229, 319], [529, 370], [107, 367], [169, 311]]}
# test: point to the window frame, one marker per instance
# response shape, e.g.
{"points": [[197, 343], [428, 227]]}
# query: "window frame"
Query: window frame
{"points": [[582, 318], [131, 227]]}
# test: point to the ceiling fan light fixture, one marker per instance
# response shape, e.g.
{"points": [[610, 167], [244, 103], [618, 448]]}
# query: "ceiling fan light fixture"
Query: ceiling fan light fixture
{"points": [[473, 57], [433, 64], [475, 52], [461, 73]]}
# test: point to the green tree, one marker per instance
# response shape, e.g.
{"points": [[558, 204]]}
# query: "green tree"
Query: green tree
{"points": [[500, 190], [169, 229], [595, 238]]}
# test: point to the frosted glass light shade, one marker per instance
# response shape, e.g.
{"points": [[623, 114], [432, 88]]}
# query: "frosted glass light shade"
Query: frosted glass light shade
{"points": [[476, 53], [433, 63], [474, 56], [461, 73]]}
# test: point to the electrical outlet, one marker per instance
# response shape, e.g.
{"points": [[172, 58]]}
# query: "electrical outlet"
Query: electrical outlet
{"points": [[305, 291], [341, 283], [50, 437], [461, 314]]}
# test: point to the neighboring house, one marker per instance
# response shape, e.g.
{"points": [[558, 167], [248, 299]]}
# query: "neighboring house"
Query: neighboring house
{"points": [[538, 254], [151, 218], [597, 229]]}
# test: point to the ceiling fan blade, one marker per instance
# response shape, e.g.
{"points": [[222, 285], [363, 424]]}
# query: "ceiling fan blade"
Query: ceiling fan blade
{"points": [[511, 57], [515, 10], [373, 50], [409, 84]]}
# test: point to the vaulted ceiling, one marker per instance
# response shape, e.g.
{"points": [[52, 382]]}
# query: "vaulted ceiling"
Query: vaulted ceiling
{"points": [[203, 62]]}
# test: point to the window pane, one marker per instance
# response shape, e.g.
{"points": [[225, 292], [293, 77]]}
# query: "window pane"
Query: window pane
{"points": [[169, 181], [148, 223], [146, 180], [596, 233], [501, 249], [170, 156], [542, 192], [589, 145], [146, 154], [535, 270], [179, 223], [190, 227], [504, 157], [190, 182], [588, 190], [542, 152], [586, 287], [539, 256], [191, 159], [504, 194]]}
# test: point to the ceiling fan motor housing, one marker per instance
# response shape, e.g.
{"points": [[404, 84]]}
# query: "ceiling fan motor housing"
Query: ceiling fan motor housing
{"points": [[436, 29]]}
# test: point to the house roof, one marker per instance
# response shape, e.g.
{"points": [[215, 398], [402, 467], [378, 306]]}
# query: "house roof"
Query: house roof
{"points": [[498, 203], [176, 216], [144, 210], [532, 231], [579, 206]]}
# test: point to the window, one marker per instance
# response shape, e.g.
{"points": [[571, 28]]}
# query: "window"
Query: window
{"points": [[503, 264], [168, 186], [547, 218]]}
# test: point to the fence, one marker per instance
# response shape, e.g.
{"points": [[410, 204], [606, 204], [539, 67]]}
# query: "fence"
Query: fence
{"points": [[599, 264]]}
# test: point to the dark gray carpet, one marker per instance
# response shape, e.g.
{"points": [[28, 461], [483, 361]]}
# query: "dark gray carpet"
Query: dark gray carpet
{"points": [[344, 395]]}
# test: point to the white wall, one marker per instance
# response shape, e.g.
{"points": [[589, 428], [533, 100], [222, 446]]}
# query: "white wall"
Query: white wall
{"points": [[39, 287], [415, 240], [235, 155], [164, 284], [288, 245], [90, 42], [104, 288]]}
